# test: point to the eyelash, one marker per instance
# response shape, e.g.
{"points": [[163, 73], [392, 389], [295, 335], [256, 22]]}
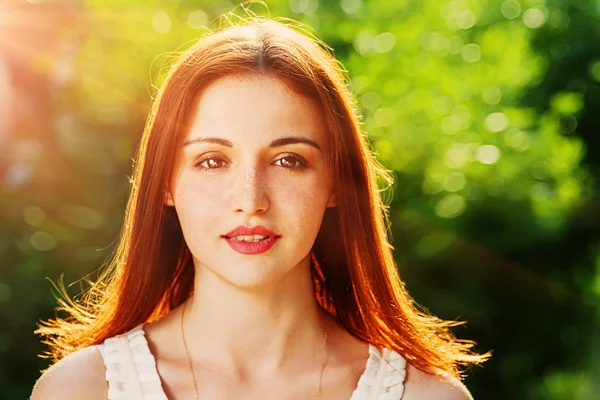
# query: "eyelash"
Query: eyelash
{"points": [[301, 163]]}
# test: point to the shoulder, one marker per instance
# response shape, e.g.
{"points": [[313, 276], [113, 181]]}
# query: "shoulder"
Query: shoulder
{"points": [[80, 375], [423, 386]]}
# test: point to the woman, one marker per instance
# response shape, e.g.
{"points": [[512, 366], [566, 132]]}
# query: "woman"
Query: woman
{"points": [[254, 261]]}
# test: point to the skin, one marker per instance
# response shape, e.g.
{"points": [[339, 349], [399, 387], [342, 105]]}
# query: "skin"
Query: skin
{"points": [[252, 319]]}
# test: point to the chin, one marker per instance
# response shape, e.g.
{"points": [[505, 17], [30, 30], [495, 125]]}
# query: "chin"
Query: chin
{"points": [[249, 276], [253, 282]]}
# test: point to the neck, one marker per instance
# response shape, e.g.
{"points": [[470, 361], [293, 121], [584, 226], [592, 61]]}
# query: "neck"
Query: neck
{"points": [[258, 332]]}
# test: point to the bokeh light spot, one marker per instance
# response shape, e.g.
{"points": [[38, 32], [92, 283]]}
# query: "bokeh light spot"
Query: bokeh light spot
{"points": [[516, 138], [42, 241], [82, 217], [465, 19], [431, 186], [510, 9], [534, 18], [446, 9], [450, 125], [540, 170], [462, 112], [492, 95], [458, 155], [455, 182], [496, 122], [567, 102], [451, 206], [384, 42], [595, 70], [471, 53], [361, 82], [350, 6], [433, 244], [304, 6], [17, 175], [371, 100], [488, 154], [34, 215], [559, 19], [385, 116], [197, 19], [161, 22], [365, 41], [439, 45], [540, 191]]}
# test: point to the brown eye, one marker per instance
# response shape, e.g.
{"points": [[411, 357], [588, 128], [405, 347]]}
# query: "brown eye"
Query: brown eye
{"points": [[210, 163], [288, 162], [291, 162]]}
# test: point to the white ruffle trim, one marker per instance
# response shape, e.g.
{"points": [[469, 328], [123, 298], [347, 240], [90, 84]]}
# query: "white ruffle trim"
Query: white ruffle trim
{"points": [[383, 378], [131, 368]]}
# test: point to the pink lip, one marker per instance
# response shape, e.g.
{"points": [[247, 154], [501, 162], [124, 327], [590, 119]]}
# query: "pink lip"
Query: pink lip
{"points": [[252, 247], [255, 230]]}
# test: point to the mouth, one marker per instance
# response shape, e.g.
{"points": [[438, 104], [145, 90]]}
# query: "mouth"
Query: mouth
{"points": [[250, 238], [251, 244]]}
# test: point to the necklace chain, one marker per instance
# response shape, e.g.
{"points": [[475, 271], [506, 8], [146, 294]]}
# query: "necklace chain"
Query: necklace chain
{"points": [[187, 353], [191, 366]]}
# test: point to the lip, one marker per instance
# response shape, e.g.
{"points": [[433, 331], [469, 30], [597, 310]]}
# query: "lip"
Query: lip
{"points": [[254, 230], [251, 247]]}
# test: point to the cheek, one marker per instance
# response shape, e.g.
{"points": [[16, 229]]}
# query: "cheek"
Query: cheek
{"points": [[301, 204], [199, 204], [193, 189]]}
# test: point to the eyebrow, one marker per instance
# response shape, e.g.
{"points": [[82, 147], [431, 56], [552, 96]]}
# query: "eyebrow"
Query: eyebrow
{"points": [[284, 141]]}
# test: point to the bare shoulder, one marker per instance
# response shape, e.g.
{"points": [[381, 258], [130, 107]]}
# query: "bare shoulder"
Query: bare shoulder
{"points": [[80, 375], [423, 386]]}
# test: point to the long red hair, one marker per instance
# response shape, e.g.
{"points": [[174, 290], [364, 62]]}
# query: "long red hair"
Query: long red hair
{"points": [[356, 278]]}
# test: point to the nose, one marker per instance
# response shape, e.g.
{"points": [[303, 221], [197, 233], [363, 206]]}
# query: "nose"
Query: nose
{"points": [[250, 192]]}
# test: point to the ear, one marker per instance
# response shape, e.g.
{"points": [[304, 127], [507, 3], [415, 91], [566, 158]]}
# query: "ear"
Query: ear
{"points": [[169, 199], [333, 202]]}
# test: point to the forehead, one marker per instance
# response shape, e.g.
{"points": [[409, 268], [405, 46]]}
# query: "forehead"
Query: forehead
{"points": [[255, 108]]}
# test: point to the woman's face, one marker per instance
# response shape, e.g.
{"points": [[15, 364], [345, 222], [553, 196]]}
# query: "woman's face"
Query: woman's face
{"points": [[255, 154]]}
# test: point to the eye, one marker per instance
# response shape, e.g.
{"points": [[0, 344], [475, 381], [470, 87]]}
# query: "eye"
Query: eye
{"points": [[291, 162], [209, 163]]}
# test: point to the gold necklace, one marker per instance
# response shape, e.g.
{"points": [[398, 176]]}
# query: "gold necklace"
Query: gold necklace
{"points": [[189, 357]]}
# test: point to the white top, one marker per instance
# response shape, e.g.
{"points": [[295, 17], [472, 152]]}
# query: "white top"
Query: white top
{"points": [[131, 371]]}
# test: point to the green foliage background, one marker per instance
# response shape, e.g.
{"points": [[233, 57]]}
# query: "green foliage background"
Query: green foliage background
{"points": [[486, 111]]}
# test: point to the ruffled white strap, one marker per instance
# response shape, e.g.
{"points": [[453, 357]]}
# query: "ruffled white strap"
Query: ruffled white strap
{"points": [[131, 368], [383, 378]]}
